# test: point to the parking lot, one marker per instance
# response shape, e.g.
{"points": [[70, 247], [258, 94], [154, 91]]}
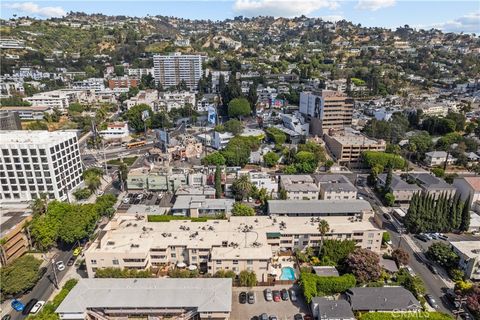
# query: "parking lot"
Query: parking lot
{"points": [[146, 198], [283, 310]]}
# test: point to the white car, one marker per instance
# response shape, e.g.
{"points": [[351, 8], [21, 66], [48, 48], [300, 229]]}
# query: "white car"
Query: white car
{"points": [[140, 196], [60, 265], [126, 200], [37, 307], [410, 271]]}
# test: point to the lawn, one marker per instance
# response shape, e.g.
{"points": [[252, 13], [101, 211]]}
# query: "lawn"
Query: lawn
{"points": [[128, 161]]}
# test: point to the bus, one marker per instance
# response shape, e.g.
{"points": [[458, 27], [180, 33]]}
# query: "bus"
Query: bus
{"points": [[136, 144]]}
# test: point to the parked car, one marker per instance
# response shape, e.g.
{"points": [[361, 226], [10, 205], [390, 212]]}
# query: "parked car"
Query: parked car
{"points": [[284, 294], [272, 317], [60, 265], [140, 196], [432, 268], [264, 316], [298, 316], [71, 261], [268, 294], [242, 298], [37, 307], [126, 200], [293, 295], [387, 216], [251, 297], [431, 301], [443, 237], [421, 237], [17, 305], [29, 306], [426, 235], [77, 251], [276, 296], [255, 318], [410, 271]]}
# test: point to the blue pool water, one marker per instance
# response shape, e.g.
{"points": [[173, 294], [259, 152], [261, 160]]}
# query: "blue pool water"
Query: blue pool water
{"points": [[287, 274]]}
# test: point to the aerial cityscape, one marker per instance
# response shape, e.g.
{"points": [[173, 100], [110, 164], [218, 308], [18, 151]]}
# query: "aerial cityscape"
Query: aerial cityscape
{"points": [[240, 160]]}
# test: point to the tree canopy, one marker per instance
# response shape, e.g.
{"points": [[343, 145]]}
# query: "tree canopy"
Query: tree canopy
{"points": [[239, 107]]}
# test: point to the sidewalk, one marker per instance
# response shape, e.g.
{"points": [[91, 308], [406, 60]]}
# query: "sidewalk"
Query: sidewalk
{"points": [[71, 274]]}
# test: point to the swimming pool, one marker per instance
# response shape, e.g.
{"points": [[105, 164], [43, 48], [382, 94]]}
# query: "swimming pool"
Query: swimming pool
{"points": [[288, 273]]}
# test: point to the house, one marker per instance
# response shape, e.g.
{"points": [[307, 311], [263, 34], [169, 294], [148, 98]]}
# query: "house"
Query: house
{"points": [[299, 187], [369, 299], [401, 190], [469, 187], [438, 158], [263, 180], [324, 309], [431, 184], [201, 206], [388, 265], [116, 131], [469, 253], [335, 187], [181, 298]]}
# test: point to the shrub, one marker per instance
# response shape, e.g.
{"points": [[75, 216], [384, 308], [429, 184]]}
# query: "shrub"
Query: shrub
{"points": [[373, 158], [313, 285]]}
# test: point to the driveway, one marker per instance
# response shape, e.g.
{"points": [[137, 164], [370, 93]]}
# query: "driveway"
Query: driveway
{"points": [[283, 310]]}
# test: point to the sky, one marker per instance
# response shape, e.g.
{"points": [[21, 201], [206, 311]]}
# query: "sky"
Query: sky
{"points": [[446, 15]]}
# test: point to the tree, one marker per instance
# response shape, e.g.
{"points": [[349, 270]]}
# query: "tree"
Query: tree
{"points": [[364, 265], [92, 178], [239, 107], [247, 278], [438, 172], [134, 117], [218, 182], [443, 255], [40, 204], [122, 173], [225, 274], [389, 199], [119, 70], [270, 159], [323, 228], [465, 223], [372, 158], [233, 126], [21, 275], [400, 256], [252, 97], [241, 187], [276, 135], [385, 237], [328, 164], [82, 194], [334, 252], [122, 273], [241, 209], [37, 125], [214, 158]]}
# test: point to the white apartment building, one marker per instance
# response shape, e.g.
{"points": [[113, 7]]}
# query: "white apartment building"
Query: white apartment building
{"points": [[262, 180], [170, 70], [469, 187], [221, 139], [89, 84], [469, 253], [117, 130], [139, 72], [59, 99], [239, 243], [10, 43], [149, 97], [438, 158], [171, 100], [299, 187], [7, 89], [35, 162]]}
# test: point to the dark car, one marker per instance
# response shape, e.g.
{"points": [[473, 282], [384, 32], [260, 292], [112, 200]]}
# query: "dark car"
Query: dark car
{"points": [[255, 318], [432, 268], [272, 317], [71, 261], [29, 306], [387, 216], [298, 316], [284, 294], [431, 301], [421, 237], [251, 297], [242, 297], [276, 296], [264, 316]]}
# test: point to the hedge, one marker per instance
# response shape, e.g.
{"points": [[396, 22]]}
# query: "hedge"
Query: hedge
{"points": [[313, 285], [373, 158]]}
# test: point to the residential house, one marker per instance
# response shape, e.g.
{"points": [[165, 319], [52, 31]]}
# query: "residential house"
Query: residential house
{"points": [[431, 184], [201, 206], [335, 187], [325, 309], [384, 299], [469, 253], [401, 190], [438, 158]]}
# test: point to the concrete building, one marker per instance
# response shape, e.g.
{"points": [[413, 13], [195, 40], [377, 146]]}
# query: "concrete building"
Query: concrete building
{"points": [[54, 99], [89, 84], [176, 100], [155, 180], [170, 70], [9, 120], [347, 146], [122, 83], [221, 139], [326, 110], [239, 243], [201, 206], [299, 187], [35, 162], [149, 97], [469, 253], [401, 190], [431, 184], [27, 113], [469, 187], [263, 180], [138, 73], [438, 158], [14, 241], [295, 122], [115, 131], [335, 187], [382, 299], [360, 209], [109, 299]]}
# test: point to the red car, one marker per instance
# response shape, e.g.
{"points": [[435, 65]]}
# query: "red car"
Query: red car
{"points": [[276, 296]]}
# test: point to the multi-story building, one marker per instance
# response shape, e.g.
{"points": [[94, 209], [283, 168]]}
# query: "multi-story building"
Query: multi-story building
{"points": [[263, 180], [8, 89], [295, 122], [171, 70], [299, 187], [431, 184], [177, 99], [9, 120], [149, 97], [347, 146], [54, 99], [14, 241], [138, 73], [321, 208], [469, 253], [201, 206], [116, 131], [89, 84], [469, 188], [26, 113], [335, 187], [438, 158], [239, 243], [401, 190], [161, 298], [326, 110], [123, 83], [36, 162]]}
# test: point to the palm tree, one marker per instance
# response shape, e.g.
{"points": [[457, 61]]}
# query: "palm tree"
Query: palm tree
{"points": [[323, 228], [241, 187], [39, 206]]}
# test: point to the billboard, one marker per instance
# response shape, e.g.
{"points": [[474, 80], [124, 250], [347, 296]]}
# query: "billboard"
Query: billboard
{"points": [[212, 115]]}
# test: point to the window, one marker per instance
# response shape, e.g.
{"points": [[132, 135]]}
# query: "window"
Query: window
{"points": [[93, 261], [115, 262], [218, 262], [370, 235], [5, 152], [249, 261], [235, 261], [173, 255]]}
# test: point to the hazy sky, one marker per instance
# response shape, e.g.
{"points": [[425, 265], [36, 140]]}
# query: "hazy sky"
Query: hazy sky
{"points": [[456, 16]]}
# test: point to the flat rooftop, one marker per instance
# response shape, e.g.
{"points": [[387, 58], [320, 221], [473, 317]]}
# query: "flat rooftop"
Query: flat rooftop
{"points": [[26, 137], [469, 248], [9, 220], [317, 206], [205, 295]]}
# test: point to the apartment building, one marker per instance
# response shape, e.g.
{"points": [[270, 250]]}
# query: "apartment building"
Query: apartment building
{"points": [[9, 120], [262, 180], [149, 97], [239, 243], [431, 184], [201, 206], [170, 70], [156, 180], [59, 99], [27, 113], [469, 253], [161, 298], [438, 158], [36, 162], [295, 122], [116, 131], [326, 110], [401, 190], [321, 208], [347, 146], [469, 187], [89, 84], [299, 187], [138, 73], [335, 187], [177, 99], [14, 241], [124, 83]]}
